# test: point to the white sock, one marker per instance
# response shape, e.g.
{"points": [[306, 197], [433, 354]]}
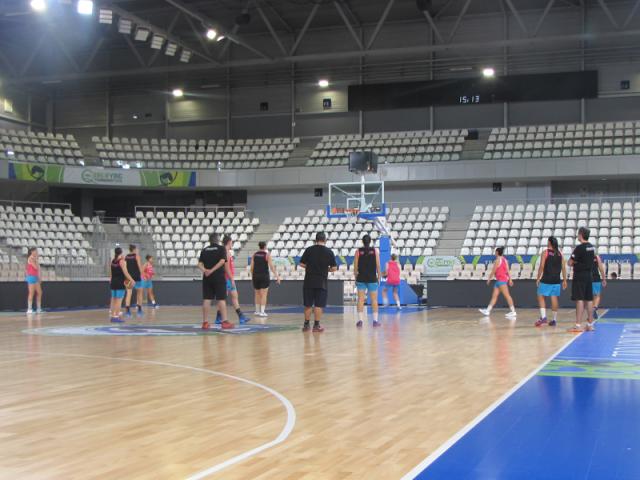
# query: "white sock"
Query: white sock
{"points": [[555, 316], [362, 316], [257, 308], [512, 308], [543, 313], [262, 307], [29, 306], [489, 308], [398, 303], [375, 316]]}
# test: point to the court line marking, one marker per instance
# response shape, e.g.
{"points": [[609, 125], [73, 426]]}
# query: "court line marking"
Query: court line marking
{"points": [[418, 469], [284, 433]]}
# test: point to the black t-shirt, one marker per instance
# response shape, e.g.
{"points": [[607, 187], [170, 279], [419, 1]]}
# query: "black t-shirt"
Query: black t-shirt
{"points": [[260, 264], [552, 268], [117, 275], [595, 271], [317, 259], [583, 256], [132, 266], [209, 257], [367, 267]]}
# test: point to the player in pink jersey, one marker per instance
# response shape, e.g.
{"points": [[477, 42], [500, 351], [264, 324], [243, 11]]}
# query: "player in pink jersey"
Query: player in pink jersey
{"points": [[147, 280], [232, 291], [501, 273], [392, 274], [33, 281]]}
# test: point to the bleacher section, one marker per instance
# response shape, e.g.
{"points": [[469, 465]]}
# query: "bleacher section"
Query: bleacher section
{"points": [[523, 229], [23, 146], [194, 154], [571, 140], [58, 234], [179, 236], [416, 231], [394, 147]]}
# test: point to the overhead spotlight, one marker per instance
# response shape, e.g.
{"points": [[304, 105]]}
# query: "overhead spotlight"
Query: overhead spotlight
{"points": [[134, 116], [105, 16], [124, 26], [85, 7], [488, 72], [39, 5], [211, 34], [171, 49], [323, 83], [220, 38], [177, 92], [157, 41], [142, 34], [185, 56]]}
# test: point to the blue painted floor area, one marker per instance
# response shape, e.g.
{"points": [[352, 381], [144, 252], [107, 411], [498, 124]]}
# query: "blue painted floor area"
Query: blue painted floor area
{"points": [[578, 419]]}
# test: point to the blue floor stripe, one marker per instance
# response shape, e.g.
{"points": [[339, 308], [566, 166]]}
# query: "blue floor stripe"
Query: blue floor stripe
{"points": [[562, 426]]}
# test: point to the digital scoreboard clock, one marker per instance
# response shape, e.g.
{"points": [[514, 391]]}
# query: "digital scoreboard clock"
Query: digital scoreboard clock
{"points": [[467, 99]]}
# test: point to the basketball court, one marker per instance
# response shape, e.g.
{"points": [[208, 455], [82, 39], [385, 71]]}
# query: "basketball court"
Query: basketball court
{"points": [[347, 403]]}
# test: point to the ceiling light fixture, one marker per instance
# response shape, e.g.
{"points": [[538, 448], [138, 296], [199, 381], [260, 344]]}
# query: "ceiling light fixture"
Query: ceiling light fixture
{"points": [[185, 56], [142, 34], [85, 7], [39, 5], [105, 16], [157, 41], [171, 49], [211, 34], [124, 26], [177, 92], [323, 83], [488, 72]]}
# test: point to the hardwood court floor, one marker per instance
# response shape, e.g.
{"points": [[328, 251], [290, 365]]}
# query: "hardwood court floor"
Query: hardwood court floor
{"points": [[369, 404]]}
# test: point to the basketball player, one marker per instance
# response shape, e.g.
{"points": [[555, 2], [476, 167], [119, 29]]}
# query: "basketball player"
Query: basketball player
{"points": [[582, 260], [366, 269], [32, 277], [392, 274], [548, 281], [501, 273], [317, 261], [119, 277], [260, 265], [599, 281], [147, 281], [134, 266], [213, 264], [231, 283]]}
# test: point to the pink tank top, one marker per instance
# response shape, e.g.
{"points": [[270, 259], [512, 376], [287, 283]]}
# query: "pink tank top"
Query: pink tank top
{"points": [[148, 272], [393, 273], [32, 270], [232, 268], [502, 272]]}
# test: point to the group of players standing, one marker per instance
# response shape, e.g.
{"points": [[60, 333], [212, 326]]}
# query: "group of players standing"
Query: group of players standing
{"points": [[588, 280], [126, 273]]}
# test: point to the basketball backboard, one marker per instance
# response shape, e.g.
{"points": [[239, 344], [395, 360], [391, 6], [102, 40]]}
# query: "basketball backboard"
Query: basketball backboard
{"points": [[364, 199]]}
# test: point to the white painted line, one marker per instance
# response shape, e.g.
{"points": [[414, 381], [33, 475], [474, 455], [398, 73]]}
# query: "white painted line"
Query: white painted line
{"points": [[286, 431], [462, 432]]}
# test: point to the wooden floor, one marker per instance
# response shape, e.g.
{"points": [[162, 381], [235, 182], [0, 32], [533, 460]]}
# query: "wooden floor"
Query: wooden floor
{"points": [[368, 403]]}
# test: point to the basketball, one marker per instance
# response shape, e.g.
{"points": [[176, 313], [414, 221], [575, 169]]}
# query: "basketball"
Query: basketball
{"points": [[128, 284]]}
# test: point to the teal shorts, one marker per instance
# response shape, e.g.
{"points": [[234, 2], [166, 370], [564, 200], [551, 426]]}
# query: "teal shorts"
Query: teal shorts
{"points": [[499, 283], [32, 279], [117, 293], [145, 284], [369, 287], [230, 286]]}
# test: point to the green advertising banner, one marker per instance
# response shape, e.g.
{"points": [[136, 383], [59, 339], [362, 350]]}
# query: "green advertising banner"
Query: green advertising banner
{"points": [[172, 179], [33, 172]]}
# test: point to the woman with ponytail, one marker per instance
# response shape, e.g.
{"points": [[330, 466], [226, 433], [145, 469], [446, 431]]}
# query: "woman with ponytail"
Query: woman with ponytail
{"points": [[501, 273], [548, 281]]}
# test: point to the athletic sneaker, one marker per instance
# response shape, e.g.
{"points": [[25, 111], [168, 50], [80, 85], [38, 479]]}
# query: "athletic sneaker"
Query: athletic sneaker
{"points": [[306, 327], [227, 325], [116, 320], [589, 327], [318, 328], [218, 318], [29, 312], [595, 314], [511, 315], [484, 311], [263, 314], [553, 323], [39, 311], [541, 321], [140, 312], [242, 319], [205, 325], [377, 324], [577, 328], [359, 324], [128, 314]]}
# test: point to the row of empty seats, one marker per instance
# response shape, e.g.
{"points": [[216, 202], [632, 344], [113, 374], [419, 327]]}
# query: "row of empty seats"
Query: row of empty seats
{"points": [[192, 153], [393, 147], [40, 147], [544, 141], [415, 231]]}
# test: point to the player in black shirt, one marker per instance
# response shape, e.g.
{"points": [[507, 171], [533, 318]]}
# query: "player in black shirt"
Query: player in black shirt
{"points": [[134, 266], [261, 264], [549, 282], [213, 265], [118, 279], [599, 281], [318, 261], [582, 260], [366, 268]]}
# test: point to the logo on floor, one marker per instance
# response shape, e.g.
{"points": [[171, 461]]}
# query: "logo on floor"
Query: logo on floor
{"points": [[159, 330]]}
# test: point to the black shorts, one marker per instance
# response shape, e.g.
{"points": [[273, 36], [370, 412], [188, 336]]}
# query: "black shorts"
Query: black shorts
{"points": [[261, 282], [215, 289], [314, 297], [581, 289]]}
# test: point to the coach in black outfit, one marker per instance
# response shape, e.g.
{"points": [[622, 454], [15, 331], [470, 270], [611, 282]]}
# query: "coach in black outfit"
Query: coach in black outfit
{"points": [[318, 261], [581, 289], [213, 264]]}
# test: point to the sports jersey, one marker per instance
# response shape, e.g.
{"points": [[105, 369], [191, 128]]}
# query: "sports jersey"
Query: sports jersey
{"points": [[210, 256], [595, 271], [393, 273], [583, 257], [148, 272], [32, 270], [132, 266], [502, 272], [260, 264], [552, 268], [117, 275], [367, 267], [232, 268]]}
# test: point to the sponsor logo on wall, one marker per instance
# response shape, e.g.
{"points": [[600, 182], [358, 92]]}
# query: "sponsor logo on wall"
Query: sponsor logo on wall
{"points": [[101, 177], [170, 179], [33, 172], [440, 265]]}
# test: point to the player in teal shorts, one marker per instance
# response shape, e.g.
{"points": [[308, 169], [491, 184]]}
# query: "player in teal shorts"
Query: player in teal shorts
{"points": [[552, 265]]}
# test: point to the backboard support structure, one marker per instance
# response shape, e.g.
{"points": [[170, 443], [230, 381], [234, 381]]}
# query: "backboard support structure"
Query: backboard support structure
{"points": [[363, 199]]}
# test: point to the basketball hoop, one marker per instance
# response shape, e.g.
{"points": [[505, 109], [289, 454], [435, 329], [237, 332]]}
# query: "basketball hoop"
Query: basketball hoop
{"points": [[351, 214]]}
